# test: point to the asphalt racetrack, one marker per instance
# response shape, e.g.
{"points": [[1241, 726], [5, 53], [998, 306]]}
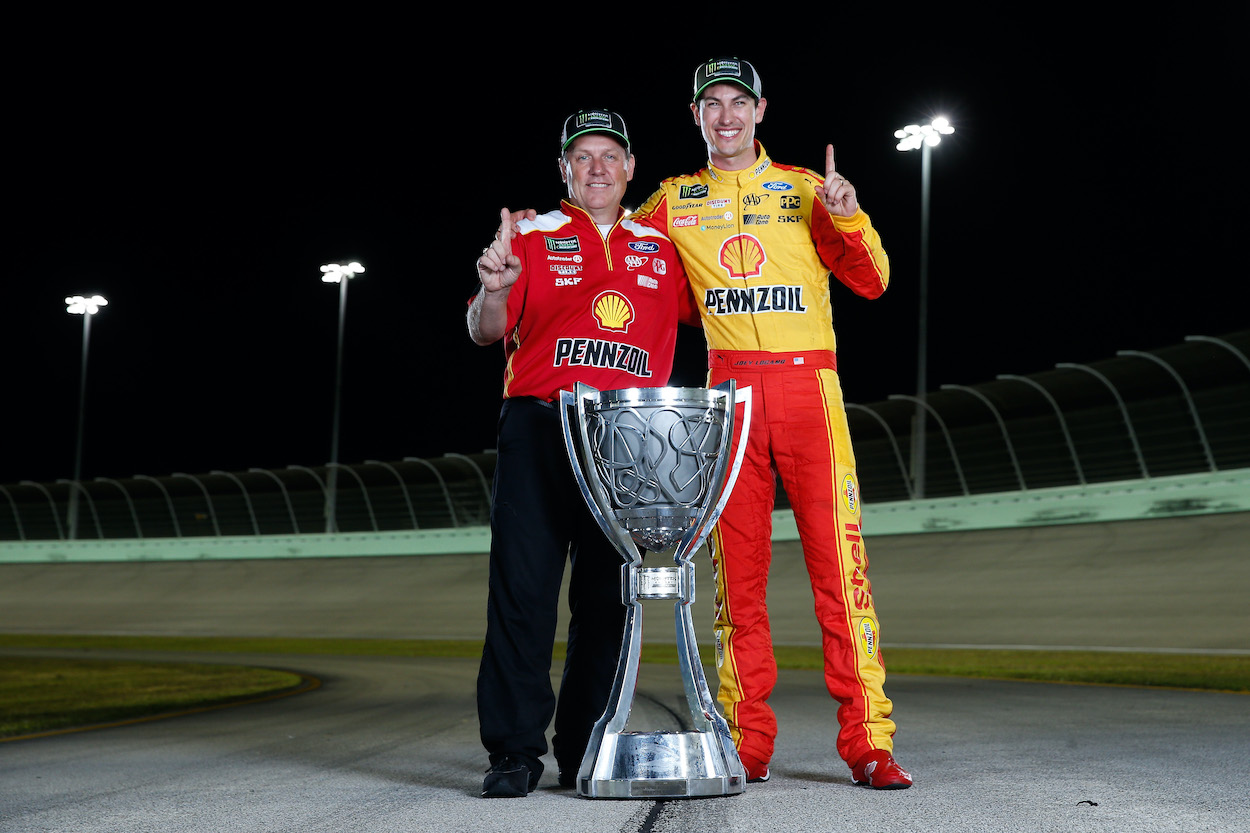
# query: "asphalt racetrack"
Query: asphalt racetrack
{"points": [[390, 744]]}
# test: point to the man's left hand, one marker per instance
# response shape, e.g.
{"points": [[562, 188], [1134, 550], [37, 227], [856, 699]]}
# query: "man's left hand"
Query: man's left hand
{"points": [[838, 194]]}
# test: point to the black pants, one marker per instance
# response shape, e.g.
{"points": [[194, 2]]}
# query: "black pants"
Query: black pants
{"points": [[538, 519]]}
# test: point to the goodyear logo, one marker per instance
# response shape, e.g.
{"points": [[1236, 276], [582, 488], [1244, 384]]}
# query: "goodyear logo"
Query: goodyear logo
{"points": [[850, 493], [866, 629]]}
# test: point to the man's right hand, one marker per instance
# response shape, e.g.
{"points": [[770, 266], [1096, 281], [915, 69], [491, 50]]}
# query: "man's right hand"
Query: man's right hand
{"points": [[498, 268]]}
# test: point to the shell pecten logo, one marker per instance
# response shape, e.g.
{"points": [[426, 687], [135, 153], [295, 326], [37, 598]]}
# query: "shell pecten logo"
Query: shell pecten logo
{"points": [[743, 256], [613, 311]]}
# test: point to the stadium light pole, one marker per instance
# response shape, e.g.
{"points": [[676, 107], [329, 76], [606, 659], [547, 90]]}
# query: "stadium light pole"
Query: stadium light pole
{"points": [[86, 307], [923, 138], [342, 275]]}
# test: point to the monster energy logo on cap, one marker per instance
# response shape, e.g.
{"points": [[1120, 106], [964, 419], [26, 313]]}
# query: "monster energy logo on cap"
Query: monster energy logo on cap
{"points": [[727, 71], [593, 121]]}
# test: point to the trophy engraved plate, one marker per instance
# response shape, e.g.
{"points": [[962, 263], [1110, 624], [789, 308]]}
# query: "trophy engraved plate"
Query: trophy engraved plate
{"points": [[655, 468]]}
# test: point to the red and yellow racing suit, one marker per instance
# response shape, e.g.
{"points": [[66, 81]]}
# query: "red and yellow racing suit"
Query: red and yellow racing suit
{"points": [[758, 247]]}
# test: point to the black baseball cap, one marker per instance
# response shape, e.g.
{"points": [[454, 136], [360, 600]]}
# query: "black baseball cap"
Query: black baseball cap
{"points": [[593, 121], [727, 71]]}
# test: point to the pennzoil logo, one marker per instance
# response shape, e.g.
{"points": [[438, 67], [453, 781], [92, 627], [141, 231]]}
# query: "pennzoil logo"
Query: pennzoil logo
{"points": [[563, 244], [743, 256], [613, 311], [747, 300], [850, 493], [597, 352], [866, 630]]}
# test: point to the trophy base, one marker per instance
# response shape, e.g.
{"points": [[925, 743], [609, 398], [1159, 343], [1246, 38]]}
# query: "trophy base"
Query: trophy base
{"points": [[661, 765]]}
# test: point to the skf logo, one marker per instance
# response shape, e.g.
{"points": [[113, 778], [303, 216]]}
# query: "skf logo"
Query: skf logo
{"points": [[568, 281], [791, 202], [635, 262], [563, 244], [689, 221], [692, 192], [850, 494], [613, 312], [867, 631], [743, 256]]}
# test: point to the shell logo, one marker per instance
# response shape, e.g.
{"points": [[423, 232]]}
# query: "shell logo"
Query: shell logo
{"points": [[613, 311], [743, 256]]}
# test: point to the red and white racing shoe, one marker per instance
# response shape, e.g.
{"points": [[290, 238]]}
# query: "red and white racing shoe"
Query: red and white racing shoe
{"points": [[879, 770]]}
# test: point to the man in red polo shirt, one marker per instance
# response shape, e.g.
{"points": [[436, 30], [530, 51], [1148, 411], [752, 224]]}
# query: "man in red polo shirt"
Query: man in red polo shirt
{"points": [[578, 294]]}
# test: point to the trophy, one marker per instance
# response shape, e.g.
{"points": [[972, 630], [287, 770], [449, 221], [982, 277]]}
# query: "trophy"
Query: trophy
{"points": [[653, 465]]}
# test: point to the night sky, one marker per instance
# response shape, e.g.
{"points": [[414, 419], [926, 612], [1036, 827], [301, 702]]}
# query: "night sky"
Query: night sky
{"points": [[1085, 204]]}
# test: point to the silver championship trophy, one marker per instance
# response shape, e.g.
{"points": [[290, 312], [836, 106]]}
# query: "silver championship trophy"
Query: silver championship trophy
{"points": [[654, 467]]}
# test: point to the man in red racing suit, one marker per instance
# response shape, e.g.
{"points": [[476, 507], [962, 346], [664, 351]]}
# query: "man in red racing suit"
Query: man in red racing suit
{"points": [[759, 240], [585, 294]]}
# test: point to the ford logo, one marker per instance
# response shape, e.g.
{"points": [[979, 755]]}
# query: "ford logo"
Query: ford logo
{"points": [[645, 247], [778, 186]]}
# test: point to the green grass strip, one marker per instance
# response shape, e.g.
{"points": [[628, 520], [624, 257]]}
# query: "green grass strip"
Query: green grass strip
{"points": [[1189, 671], [43, 694]]}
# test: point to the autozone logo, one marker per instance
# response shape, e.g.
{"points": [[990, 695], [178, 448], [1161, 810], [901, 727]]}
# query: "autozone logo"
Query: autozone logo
{"points": [[688, 221]]}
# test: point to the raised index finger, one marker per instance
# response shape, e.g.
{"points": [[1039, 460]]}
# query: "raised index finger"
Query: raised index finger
{"points": [[830, 171], [505, 229]]}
